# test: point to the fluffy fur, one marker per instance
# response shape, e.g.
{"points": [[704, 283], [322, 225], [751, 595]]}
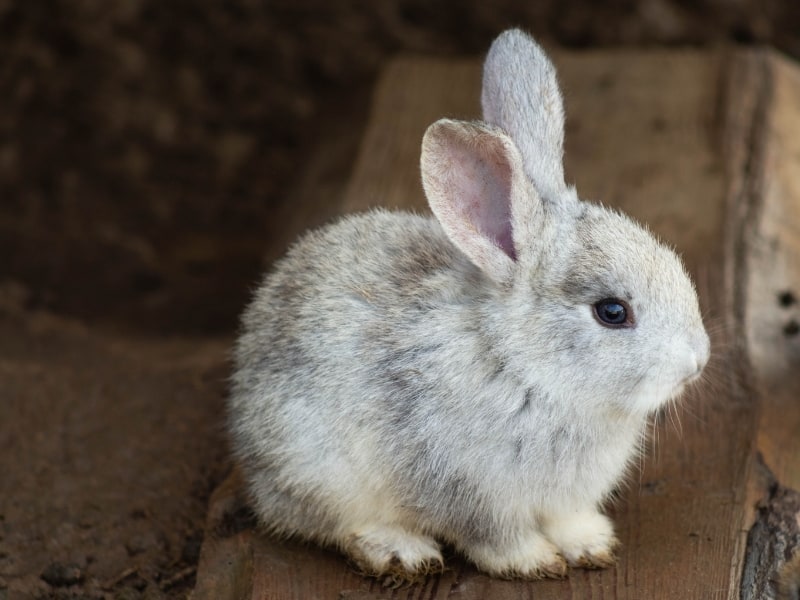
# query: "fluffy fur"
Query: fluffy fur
{"points": [[402, 380]]}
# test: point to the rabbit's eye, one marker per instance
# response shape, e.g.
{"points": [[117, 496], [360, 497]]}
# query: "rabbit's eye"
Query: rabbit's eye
{"points": [[613, 312]]}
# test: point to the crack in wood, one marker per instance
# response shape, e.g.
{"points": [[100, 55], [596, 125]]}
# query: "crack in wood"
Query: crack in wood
{"points": [[772, 557]]}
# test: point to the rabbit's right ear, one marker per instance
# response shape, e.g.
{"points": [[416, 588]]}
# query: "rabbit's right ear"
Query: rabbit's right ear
{"points": [[476, 186]]}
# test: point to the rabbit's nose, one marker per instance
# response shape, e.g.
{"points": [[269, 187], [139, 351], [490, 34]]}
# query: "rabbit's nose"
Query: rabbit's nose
{"points": [[698, 368], [699, 354], [703, 351]]}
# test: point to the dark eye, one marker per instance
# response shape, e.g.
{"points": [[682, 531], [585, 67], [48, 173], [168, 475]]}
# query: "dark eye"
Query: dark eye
{"points": [[613, 312]]}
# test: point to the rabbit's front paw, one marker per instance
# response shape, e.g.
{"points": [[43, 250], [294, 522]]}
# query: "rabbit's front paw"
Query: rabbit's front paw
{"points": [[394, 555], [586, 539], [530, 556]]}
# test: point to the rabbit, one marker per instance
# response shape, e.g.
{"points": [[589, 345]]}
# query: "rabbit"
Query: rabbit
{"points": [[481, 378]]}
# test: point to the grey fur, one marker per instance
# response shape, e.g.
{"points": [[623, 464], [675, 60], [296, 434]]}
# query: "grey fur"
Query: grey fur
{"points": [[400, 378]]}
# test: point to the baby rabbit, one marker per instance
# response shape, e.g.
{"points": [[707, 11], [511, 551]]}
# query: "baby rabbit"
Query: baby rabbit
{"points": [[482, 378]]}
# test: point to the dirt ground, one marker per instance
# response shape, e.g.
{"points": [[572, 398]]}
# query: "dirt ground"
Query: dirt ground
{"points": [[150, 154]]}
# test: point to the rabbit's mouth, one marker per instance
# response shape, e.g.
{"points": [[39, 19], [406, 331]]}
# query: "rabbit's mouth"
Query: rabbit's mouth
{"points": [[694, 377], [684, 383], [690, 379], [687, 381], [677, 392]]}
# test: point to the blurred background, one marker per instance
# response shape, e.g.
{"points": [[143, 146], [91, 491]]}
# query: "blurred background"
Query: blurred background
{"points": [[148, 148], [151, 154]]}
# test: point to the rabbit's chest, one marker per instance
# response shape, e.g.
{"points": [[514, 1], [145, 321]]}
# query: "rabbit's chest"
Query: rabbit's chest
{"points": [[570, 458]]}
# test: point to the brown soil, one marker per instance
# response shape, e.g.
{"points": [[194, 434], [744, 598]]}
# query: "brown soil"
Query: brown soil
{"points": [[148, 153]]}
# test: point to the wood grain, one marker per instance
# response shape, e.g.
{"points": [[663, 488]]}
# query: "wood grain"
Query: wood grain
{"points": [[768, 293], [703, 147]]}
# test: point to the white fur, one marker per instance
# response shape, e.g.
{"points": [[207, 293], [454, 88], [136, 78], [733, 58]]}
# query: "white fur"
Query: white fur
{"points": [[401, 379], [529, 555], [382, 548], [585, 538]]}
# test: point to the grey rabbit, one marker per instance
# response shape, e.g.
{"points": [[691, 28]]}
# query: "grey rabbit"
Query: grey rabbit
{"points": [[481, 378]]}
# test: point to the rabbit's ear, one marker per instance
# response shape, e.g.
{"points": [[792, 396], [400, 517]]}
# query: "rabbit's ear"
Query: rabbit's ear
{"points": [[473, 178], [520, 96]]}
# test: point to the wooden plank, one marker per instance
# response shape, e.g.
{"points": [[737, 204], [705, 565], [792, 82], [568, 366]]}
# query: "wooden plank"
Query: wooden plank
{"points": [[681, 141], [634, 142], [770, 297], [411, 94], [772, 294]]}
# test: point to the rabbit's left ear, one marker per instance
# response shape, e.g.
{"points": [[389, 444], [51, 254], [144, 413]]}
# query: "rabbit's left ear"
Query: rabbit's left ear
{"points": [[475, 184], [520, 95]]}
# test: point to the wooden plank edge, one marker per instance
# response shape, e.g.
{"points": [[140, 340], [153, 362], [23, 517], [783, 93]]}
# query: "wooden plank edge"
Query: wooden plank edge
{"points": [[770, 560], [227, 551]]}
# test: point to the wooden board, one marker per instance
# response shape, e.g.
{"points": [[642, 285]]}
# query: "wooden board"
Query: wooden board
{"points": [[766, 247], [703, 147]]}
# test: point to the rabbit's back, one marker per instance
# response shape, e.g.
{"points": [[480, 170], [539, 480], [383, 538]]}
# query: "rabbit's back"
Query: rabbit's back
{"points": [[329, 358], [324, 301]]}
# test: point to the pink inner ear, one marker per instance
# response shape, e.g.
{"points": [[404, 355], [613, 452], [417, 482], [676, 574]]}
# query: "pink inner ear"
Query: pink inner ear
{"points": [[471, 172], [486, 196]]}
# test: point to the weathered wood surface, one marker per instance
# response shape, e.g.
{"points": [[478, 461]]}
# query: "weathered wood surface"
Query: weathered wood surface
{"points": [[767, 294], [705, 148]]}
